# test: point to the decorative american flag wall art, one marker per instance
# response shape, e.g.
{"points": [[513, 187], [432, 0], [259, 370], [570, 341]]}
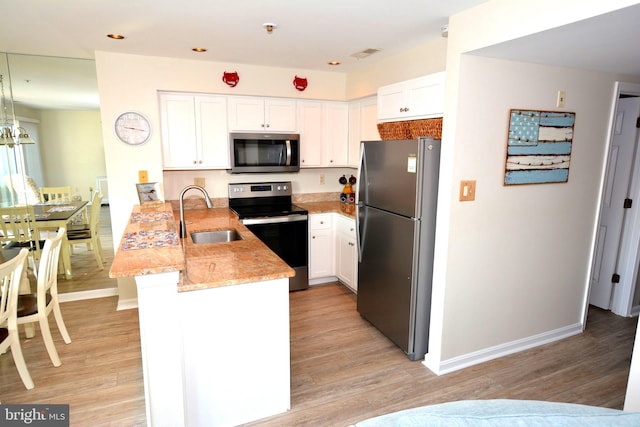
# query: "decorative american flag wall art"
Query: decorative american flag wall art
{"points": [[538, 147]]}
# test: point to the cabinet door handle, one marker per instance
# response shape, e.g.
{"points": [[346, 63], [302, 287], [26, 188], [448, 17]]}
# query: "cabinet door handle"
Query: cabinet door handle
{"points": [[195, 162], [267, 124]]}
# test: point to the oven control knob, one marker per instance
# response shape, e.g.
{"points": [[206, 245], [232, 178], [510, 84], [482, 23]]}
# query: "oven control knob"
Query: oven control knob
{"points": [[279, 188]]}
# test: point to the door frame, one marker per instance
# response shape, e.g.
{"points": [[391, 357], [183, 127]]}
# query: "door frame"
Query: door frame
{"points": [[628, 252]]}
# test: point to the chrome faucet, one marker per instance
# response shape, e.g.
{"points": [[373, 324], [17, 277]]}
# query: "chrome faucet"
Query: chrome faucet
{"points": [[183, 225]]}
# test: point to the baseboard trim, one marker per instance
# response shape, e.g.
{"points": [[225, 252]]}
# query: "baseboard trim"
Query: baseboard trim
{"points": [[322, 280], [490, 353], [82, 295], [127, 304]]}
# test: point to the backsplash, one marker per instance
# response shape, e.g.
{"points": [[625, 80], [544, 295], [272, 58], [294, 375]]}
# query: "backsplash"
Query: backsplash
{"points": [[223, 202]]}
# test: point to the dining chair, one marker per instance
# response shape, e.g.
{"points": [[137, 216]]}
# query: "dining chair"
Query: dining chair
{"points": [[10, 273], [18, 228], [55, 194], [89, 234], [23, 188], [37, 307]]}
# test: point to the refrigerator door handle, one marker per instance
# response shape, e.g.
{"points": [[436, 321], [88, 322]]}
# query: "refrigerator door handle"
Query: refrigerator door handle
{"points": [[358, 234], [361, 188]]}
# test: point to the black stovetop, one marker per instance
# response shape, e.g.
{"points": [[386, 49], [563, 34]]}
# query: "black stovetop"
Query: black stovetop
{"points": [[252, 208]]}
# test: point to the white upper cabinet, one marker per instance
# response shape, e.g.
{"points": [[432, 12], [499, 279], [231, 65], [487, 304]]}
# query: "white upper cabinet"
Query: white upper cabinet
{"points": [[194, 131], [336, 133], [324, 133], [262, 114], [363, 126], [413, 99], [310, 128]]}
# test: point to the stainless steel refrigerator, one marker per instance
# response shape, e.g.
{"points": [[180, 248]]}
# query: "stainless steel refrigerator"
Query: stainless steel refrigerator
{"points": [[396, 218]]}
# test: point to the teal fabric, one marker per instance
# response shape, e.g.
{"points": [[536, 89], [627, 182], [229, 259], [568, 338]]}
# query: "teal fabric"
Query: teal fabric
{"points": [[505, 412]]}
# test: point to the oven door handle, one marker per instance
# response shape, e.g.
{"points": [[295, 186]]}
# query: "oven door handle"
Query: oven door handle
{"points": [[273, 220]]}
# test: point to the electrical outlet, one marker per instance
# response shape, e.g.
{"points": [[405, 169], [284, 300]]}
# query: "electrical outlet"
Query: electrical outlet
{"points": [[321, 179], [199, 181], [143, 176], [467, 191]]}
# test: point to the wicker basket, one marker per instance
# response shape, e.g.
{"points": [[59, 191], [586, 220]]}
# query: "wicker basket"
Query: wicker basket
{"points": [[394, 130], [411, 129], [426, 127]]}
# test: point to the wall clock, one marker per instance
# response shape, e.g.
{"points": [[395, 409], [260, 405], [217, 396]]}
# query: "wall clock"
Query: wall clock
{"points": [[132, 128]]}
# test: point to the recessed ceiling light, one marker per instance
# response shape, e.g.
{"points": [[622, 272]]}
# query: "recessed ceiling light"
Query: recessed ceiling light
{"points": [[199, 49], [334, 63], [115, 36], [269, 26]]}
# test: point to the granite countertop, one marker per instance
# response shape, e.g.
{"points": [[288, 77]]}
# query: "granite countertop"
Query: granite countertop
{"points": [[154, 230], [347, 209], [150, 245]]}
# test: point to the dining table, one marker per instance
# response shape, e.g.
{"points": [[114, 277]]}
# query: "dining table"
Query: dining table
{"points": [[51, 216]]}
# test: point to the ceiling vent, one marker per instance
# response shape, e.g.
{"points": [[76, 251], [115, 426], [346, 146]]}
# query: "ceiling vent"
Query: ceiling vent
{"points": [[365, 53]]}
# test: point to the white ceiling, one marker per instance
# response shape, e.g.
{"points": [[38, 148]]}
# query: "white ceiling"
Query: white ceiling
{"points": [[308, 34]]}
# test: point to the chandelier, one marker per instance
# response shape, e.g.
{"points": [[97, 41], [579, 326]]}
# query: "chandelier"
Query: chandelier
{"points": [[10, 133]]}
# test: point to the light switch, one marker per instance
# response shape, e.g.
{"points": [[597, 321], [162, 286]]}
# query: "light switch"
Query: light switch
{"points": [[467, 191], [199, 181], [143, 176], [562, 96]]}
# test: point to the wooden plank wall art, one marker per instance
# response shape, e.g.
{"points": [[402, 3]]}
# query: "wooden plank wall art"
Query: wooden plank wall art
{"points": [[538, 147]]}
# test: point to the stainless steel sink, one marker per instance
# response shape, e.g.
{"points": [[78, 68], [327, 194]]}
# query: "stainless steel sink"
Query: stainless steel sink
{"points": [[217, 236]]}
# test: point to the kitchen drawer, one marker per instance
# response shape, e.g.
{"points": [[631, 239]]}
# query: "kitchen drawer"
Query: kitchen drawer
{"points": [[320, 221]]}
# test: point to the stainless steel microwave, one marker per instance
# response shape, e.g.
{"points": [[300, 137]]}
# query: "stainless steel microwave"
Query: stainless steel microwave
{"points": [[264, 152]]}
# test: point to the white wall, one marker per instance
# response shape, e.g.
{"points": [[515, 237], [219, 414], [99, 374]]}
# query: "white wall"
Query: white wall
{"points": [[519, 256], [511, 268], [305, 181], [71, 150]]}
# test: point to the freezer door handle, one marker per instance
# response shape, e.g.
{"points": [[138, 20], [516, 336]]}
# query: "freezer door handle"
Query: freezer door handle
{"points": [[361, 195], [360, 222]]}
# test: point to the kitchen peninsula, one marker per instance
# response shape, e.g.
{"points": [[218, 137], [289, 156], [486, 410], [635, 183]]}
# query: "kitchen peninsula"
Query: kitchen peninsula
{"points": [[214, 319]]}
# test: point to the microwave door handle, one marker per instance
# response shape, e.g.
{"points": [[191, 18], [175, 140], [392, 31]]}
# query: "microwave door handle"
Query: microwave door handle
{"points": [[288, 144]]}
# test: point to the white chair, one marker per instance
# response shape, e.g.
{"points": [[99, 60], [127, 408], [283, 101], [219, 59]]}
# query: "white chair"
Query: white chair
{"points": [[10, 273], [55, 194], [89, 234], [37, 307], [18, 227]]}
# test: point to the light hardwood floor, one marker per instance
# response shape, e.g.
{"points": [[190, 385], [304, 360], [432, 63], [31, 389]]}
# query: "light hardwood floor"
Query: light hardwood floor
{"points": [[342, 369], [86, 276]]}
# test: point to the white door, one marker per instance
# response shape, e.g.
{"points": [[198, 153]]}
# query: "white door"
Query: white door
{"points": [[617, 183]]}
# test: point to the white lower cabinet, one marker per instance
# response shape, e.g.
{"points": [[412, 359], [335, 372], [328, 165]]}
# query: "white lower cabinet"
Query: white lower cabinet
{"points": [[321, 245], [333, 251], [346, 251]]}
